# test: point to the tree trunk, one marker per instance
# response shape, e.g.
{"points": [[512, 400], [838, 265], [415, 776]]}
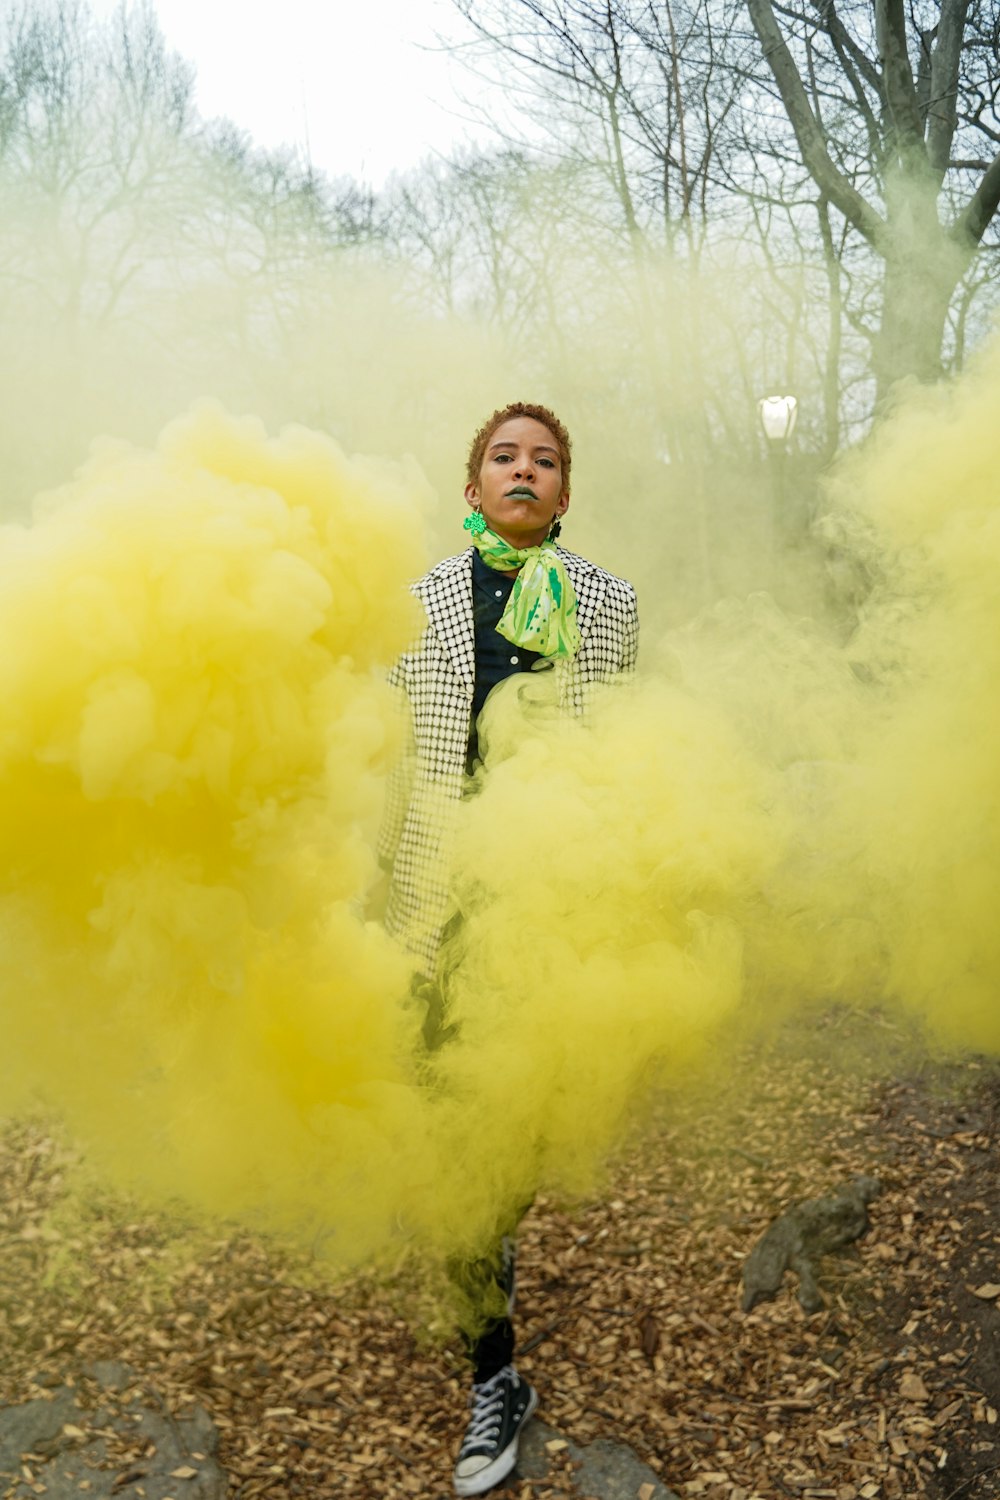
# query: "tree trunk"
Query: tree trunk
{"points": [[923, 266], [835, 339]]}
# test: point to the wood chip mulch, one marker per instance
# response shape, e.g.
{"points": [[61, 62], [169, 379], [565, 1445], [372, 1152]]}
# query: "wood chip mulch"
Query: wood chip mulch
{"points": [[628, 1312]]}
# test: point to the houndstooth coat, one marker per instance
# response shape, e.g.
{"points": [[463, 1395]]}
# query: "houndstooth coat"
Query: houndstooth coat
{"points": [[436, 679]]}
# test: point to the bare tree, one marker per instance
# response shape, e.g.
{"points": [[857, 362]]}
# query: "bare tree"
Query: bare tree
{"points": [[146, 256], [92, 149], [634, 99], [860, 139], [721, 266], [893, 113]]}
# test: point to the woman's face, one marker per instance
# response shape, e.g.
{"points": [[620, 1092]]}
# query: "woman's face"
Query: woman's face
{"points": [[520, 487]]}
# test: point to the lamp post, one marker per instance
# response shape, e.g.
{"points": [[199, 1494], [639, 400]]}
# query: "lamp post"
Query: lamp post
{"points": [[777, 417]]}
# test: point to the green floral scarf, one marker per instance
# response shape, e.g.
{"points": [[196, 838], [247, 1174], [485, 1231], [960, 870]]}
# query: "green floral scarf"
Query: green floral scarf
{"points": [[541, 610]]}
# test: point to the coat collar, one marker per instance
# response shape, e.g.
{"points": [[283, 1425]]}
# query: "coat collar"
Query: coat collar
{"points": [[446, 592]]}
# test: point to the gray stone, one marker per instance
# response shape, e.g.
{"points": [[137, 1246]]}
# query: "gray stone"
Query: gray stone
{"points": [[111, 1374], [533, 1461], [611, 1471], [606, 1470], [63, 1460], [800, 1237], [34, 1427], [176, 1441]]}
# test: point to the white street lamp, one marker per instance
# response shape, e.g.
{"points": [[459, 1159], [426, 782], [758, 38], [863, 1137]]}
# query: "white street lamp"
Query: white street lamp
{"points": [[777, 416]]}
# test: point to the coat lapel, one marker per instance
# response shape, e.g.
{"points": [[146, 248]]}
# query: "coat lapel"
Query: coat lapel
{"points": [[447, 596]]}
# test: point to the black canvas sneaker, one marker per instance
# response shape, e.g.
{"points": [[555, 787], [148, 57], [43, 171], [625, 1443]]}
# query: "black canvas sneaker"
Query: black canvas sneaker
{"points": [[500, 1408]]}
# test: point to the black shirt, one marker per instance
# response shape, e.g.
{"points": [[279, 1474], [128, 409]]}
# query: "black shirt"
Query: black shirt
{"points": [[496, 657]]}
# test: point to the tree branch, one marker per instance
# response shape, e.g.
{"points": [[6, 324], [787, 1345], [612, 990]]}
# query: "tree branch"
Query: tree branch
{"points": [[824, 173], [970, 226], [942, 118], [900, 90], [875, 148], [831, 23]]}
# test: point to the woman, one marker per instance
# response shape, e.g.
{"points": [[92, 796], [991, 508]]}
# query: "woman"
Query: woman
{"points": [[512, 602]]}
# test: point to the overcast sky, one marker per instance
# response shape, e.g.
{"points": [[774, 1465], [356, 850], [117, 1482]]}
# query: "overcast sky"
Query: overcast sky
{"points": [[365, 82]]}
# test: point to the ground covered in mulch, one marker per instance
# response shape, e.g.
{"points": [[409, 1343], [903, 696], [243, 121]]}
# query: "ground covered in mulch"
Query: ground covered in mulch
{"points": [[629, 1308]]}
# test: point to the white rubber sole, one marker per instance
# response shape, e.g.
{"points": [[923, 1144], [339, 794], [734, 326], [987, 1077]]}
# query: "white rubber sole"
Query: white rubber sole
{"points": [[485, 1479]]}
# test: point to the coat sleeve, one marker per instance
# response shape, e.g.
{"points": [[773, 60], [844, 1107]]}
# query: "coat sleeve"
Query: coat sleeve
{"points": [[399, 783], [630, 648]]}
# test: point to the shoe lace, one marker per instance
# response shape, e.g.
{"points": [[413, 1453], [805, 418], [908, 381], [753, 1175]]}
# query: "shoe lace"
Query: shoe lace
{"points": [[486, 1401]]}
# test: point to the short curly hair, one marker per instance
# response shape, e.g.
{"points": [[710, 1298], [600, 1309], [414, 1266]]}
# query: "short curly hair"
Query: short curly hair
{"points": [[541, 414]]}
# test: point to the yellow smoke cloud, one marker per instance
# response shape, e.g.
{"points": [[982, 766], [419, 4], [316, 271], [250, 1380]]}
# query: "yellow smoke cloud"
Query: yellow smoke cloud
{"points": [[193, 732], [604, 873], [921, 823], [802, 819]]}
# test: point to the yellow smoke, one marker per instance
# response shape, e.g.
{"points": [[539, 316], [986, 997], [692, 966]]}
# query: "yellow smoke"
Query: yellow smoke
{"points": [[798, 819], [920, 825], [883, 746], [194, 728], [193, 735], [604, 874], [193, 731]]}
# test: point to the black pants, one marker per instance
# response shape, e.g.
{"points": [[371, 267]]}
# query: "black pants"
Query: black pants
{"points": [[489, 1282]]}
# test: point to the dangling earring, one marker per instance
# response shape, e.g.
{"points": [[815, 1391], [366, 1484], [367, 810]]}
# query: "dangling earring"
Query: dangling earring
{"points": [[476, 522], [555, 529]]}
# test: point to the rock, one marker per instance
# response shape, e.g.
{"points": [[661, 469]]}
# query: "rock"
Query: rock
{"points": [[800, 1236], [68, 1447], [33, 1427], [533, 1460], [611, 1471], [111, 1374], [607, 1470]]}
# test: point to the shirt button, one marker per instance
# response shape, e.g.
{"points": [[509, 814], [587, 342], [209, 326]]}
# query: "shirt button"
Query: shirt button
{"points": [[499, 593], [514, 660]]}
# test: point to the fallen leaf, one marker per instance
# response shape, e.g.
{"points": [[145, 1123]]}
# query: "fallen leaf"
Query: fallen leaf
{"points": [[650, 1331], [127, 1476]]}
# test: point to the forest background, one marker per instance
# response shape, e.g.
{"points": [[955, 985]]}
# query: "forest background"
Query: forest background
{"points": [[684, 207]]}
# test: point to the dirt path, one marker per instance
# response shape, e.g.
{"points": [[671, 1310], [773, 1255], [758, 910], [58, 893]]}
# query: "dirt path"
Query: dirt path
{"points": [[628, 1310]]}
